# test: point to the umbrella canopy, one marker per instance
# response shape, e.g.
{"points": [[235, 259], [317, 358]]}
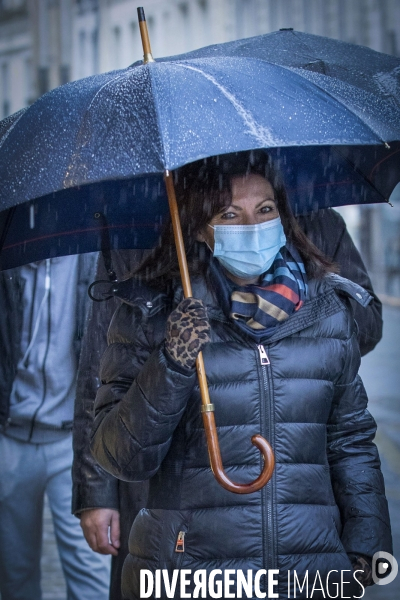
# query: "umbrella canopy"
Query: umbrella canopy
{"points": [[129, 213], [359, 66], [314, 103], [111, 214], [157, 116]]}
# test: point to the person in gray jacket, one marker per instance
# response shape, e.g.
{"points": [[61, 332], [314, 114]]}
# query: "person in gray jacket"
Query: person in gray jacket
{"points": [[101, 500], [42, 319]]}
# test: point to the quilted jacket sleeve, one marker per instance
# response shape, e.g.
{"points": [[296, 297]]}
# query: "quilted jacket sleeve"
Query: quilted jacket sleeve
{"points": [[92, 486], [355, 465], [138, 407]]}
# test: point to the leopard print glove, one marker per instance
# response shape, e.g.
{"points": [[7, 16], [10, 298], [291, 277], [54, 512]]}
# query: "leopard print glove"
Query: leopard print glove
{"points": [[188, 330], [364, 569]]}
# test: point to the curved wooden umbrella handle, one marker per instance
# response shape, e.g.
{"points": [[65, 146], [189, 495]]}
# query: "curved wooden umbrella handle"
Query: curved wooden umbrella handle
{"points": [[216, 461], [207, 407]]}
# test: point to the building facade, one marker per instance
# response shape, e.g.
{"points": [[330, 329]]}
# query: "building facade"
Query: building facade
{"points": [[15, 56], [45, 43], [106, 35]]}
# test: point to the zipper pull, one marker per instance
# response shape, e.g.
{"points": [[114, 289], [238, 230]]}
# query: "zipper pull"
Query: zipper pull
{"points": [[180, 542], [47, 277], [263, 355]]}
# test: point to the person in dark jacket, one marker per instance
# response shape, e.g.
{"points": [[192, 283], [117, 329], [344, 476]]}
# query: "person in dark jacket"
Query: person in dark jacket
{"points": [[105, 505], [308, 318]]}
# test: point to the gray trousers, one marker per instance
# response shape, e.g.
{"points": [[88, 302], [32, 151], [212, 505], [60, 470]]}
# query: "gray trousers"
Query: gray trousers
{"points": [[27, 472]]}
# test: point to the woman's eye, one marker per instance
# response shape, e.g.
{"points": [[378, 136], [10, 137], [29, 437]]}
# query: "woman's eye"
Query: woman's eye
{"points": [[266, 209], [228, 215]]}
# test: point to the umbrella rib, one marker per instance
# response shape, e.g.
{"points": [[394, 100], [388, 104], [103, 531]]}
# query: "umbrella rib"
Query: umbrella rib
{"points": [[106, 84], [298, 71], [157, 111], [67, 174], [305, 45], [359, 172], [121, 77], [381, 161], [257, 131], [380, 79], [5, 136], [260, 133]]}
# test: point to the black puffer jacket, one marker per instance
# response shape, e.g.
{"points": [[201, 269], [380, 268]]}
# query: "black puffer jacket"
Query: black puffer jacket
{"points": [[326, 497]]}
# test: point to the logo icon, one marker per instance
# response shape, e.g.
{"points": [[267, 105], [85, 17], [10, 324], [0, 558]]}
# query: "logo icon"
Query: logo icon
{"points": [[384, 568]]}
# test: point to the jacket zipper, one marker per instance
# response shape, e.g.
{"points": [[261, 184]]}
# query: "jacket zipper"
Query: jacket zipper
{"points": [[264, 360], [180, 542], [43, 368], [267, 428], [179, 549]]}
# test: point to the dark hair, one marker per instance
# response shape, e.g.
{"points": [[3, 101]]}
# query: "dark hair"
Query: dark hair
{"points": [[203, 189]]}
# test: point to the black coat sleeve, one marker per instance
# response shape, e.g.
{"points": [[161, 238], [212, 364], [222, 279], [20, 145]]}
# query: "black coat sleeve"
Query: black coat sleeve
{"points": [[327, 230], [92, 486], [354, 462], [138, 407]]}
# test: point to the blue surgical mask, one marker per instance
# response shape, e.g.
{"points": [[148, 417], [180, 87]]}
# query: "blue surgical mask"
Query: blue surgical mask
{"points": [[248, 250]]}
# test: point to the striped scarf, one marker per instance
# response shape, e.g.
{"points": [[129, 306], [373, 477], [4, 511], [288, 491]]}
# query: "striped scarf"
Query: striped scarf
{"points": [[281, 292]]}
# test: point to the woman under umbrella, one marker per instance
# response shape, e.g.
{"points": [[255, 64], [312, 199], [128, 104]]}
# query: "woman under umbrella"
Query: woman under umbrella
{"points": [[275, 326]]}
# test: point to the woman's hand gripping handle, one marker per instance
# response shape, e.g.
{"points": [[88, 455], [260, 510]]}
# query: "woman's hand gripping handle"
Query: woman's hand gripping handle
{"points": [[188, 330]]}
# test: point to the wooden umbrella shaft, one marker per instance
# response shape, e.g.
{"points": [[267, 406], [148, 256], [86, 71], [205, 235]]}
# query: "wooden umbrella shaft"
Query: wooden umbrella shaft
{"points": [[144, 34], [207, 406], [184, 271], [179, 243]]}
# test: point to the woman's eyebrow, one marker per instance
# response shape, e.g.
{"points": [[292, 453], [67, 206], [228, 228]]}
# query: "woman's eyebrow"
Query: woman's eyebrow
{"points": [[267, 198], [239, 208], [235, 206]]}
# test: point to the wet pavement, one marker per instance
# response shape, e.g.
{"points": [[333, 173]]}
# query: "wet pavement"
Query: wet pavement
{"points": [[380, 371]]}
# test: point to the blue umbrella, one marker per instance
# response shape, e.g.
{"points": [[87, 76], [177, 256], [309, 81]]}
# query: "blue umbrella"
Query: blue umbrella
{"points": [[158, 116], [323, 108]]}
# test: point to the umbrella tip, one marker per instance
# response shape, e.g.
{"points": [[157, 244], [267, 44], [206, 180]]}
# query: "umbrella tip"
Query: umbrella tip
{"points": [[144, 34]]}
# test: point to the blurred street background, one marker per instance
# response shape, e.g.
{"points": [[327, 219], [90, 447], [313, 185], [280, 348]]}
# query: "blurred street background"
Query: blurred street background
{"points": [[46, 43]]}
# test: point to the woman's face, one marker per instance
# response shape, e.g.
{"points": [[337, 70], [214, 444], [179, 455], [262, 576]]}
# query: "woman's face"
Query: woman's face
{"points": [[253, 201]]}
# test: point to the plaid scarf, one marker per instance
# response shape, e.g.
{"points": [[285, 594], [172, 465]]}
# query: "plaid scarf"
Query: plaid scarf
{"points": [[281, 292]]}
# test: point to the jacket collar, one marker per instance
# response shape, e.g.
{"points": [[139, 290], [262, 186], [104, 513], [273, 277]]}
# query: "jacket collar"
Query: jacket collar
{"points": [[323, 301], [349, 288], [149, 300]]}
